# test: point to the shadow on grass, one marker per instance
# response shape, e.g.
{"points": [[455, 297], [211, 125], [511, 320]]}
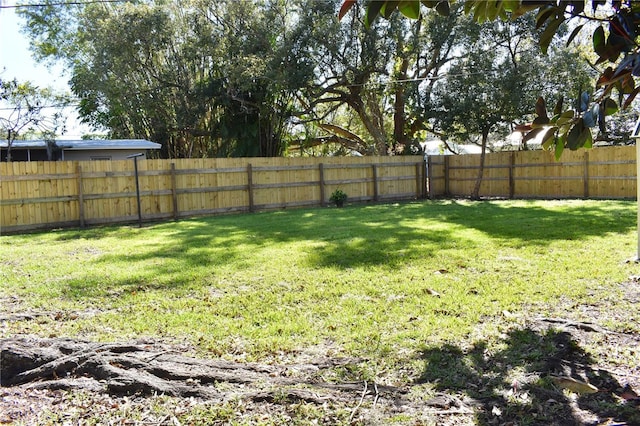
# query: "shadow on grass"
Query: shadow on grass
{"points": [[515, 384], [390, 235], [535, 224]]}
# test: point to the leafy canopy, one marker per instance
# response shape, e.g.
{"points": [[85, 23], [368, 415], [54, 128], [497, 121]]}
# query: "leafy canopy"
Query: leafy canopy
{"points": [[615, 27]]}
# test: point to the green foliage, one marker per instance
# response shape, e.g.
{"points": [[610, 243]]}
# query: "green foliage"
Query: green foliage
{"points": [[258, 284], [338, 197], [203, 79], [263, 78], [614, 36], [496, 83], [570, 128], [253, 78]]}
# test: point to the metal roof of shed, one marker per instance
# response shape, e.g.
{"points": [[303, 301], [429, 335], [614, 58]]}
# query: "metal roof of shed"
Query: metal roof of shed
{"points": [[92, 144]]}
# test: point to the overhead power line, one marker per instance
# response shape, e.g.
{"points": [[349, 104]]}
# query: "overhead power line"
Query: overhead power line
{"points": [[45, 106], [63, 3]]}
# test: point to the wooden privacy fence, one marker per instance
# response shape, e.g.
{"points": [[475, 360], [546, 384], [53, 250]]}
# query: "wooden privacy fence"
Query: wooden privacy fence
{"points": [[69, 193], [605, 172], [44, 195]]}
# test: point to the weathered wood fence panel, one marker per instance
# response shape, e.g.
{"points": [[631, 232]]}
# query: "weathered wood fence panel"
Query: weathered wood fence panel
{"points": [[605, 172], [61, 194]]}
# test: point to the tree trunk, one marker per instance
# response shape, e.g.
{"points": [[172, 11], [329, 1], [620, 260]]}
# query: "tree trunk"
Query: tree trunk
{"points": [[10, 140], [371, 117], [50, 147], [399, 114]]}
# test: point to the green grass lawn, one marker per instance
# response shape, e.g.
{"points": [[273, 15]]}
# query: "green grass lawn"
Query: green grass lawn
{"points": [[382, 282]]}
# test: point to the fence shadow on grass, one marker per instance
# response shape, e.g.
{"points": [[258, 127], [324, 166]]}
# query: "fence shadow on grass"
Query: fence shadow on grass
{"points": [[513, 383], [390, 235], [533, 223]]}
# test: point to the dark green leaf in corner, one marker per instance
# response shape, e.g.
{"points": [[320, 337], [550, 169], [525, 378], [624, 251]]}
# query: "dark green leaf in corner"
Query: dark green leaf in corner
{"points": [[524, 7], [480, 12], [559, 147], [588, 139], [388, 8], [599, 44], [493, 9], [410, 8], [578, 136], [544, 15], [443, 8], [468, 6], [549, 32], [511, 5], [372, 12]]}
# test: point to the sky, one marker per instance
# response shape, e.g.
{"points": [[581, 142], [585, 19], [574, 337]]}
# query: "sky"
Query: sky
{"points": [[16, 62]]}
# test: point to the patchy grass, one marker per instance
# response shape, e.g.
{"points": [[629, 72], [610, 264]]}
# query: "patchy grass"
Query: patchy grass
{"points": [[405, 286]]}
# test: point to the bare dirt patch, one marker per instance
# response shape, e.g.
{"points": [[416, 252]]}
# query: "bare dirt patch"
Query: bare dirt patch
{"points": [[44, 374], [578, 366]]}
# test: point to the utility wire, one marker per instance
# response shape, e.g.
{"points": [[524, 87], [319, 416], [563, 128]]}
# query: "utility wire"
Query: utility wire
{"points": [[45, 106], [64, 3]]}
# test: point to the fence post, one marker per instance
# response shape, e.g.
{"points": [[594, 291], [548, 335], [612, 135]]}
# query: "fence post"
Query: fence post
{"points": [[419, 184], [585, 176], [80, 196], [429, 180], [250, 185], [446, 176], [174, 191], [512, 181], [322, 189], [375, 182]]}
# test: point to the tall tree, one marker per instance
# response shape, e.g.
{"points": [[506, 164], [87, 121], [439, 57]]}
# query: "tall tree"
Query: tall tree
{"points": [[127, 67], [492, 89], [202, 78], [377, 76], [263, 64]]}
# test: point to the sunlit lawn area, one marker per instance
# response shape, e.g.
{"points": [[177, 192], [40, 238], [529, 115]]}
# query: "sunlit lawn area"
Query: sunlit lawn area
{"points": [[382, 282], [364, 278]]}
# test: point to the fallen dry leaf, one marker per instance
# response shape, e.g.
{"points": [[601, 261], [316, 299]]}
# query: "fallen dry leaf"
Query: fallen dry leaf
{"points": [[577, 386], [432, 292]]}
